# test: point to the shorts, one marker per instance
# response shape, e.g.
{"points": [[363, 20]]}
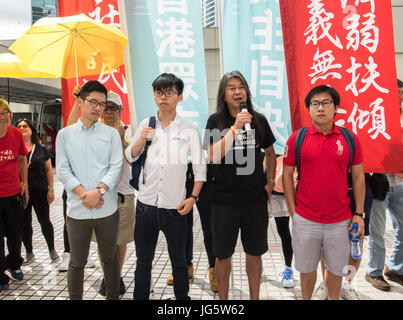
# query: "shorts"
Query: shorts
{"points": [[126, 219], [253, 221], [309, 237]]}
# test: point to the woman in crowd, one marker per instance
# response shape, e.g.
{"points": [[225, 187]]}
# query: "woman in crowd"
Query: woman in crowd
{"points": [[41, 192]]}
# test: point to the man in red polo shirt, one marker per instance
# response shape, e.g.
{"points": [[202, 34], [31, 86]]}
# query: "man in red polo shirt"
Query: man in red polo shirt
{"points": [[320, 206]]}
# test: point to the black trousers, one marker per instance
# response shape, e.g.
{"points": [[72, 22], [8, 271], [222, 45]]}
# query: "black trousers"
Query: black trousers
{"points": [[283, 230], [11, 228], [65, 234], [38, 201]]}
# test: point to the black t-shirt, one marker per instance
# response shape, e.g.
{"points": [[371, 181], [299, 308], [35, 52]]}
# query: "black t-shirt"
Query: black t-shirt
{"points": [[239, 178], [36, 171]]}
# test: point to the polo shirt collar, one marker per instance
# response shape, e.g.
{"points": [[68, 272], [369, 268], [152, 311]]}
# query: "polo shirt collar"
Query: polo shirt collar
{"points": [[335, 130]]}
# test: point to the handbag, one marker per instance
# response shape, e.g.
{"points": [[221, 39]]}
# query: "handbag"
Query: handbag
{"points": [[139, 163], [380, 186], [22, 204]]}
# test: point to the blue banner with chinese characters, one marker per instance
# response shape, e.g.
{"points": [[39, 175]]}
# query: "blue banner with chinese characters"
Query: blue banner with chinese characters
{"points": [[167, 36], [253, 44]]}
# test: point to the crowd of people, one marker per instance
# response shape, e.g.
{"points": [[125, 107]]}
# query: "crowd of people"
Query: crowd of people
{"points": [[233, 176]]}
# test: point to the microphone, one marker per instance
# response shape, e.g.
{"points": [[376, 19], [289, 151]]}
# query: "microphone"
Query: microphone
{"points": [[244, 108]]}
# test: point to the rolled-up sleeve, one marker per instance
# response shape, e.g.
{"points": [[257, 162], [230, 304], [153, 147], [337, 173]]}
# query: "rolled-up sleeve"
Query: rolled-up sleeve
{"points": [[63, 168], [137, 134], [114, 172]]}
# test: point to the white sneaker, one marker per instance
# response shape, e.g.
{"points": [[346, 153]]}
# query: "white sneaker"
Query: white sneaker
{"points": [[90, 263], [321, 292], [349, 293], [64, 266]]}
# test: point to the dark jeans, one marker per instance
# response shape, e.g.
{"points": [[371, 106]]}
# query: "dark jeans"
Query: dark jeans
{"points": [[11, 228], [149, 221], [37, 200]]}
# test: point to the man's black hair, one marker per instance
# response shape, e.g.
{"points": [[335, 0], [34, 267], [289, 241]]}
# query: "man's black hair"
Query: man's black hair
{"points": [[166, 81], [399, 83], [320, 89], [92, 86]]}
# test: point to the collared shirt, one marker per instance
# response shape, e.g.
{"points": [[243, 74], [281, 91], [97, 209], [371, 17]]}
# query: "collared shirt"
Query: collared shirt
{"points": [[89, 157], [166, 163], [322, 193]]}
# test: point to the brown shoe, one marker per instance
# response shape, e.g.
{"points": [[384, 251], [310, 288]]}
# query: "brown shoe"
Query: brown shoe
{"points": [[378, 282], [213, 279], [393, 276], [170, 279]]}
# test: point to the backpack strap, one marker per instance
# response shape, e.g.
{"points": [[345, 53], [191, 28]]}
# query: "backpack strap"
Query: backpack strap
{"points": [[298, 144], [348, 136], [151, 123]]}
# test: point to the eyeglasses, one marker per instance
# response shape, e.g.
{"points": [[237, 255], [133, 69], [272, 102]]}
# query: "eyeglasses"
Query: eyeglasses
{"points": [[167, 94], [95, 103], [4, 114], [325, 103], [22, 126], [112, 108]]}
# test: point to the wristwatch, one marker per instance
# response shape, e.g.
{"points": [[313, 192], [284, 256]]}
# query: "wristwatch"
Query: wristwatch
{"points": [[362, 215], [194, 197], [101, 190]]}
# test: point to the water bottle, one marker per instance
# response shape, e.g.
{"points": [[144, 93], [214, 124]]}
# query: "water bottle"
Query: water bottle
{"points": [[356, 250]]}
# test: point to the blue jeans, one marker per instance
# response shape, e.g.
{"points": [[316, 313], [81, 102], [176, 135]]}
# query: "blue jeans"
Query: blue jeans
{"points": [[376, 241], [149, 221]]}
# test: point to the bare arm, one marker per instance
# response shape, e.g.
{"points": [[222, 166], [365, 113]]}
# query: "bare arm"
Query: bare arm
{"points": [[288, 186], [358, 180], [187, 204], [73, 117], [23, 168], [50, 178], [271, 164]]}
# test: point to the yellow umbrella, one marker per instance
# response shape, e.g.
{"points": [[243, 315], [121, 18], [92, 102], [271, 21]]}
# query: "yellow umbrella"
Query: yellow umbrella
{"points": [[71, 46], [12, 67]]}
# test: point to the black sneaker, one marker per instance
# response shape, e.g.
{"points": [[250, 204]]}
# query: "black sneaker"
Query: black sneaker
{"points": [[122, 287], [102, 289]]}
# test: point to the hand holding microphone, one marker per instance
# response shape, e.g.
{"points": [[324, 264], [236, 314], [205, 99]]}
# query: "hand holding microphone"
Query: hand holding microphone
{"points": [[243, 118]]}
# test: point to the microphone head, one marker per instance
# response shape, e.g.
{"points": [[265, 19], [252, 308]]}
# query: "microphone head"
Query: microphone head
{"points": [[243, 105]]}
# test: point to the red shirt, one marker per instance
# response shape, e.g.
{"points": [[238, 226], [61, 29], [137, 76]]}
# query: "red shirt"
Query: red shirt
{"points": [[322, 194], [11, 146]]}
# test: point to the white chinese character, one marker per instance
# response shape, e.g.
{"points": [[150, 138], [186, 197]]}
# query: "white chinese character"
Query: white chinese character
{"points": [[370, 33], [186, 71], [121, 84], [272, 77], [266, 32], [96, 15], [361, 119], [378, 120], [165, 6], [354, 78], [323, 66], [320, 20], [370, 76], [344, 3], [177, 36], [275, 123], [353, 35]]}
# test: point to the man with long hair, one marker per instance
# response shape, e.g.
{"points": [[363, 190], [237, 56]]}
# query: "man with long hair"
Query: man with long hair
{"points": [[240, 188]]}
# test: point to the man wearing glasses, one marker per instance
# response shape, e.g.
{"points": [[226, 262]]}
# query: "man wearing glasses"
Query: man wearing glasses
{"points": [[13, 165], [320, 206], [162, 203], [89, 162]]}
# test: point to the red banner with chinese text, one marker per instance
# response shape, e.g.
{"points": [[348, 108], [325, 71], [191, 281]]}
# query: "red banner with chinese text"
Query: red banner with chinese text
{"points": [[105, 11], [347, 44]]}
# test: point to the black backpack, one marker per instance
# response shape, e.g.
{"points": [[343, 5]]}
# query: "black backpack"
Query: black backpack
{"points": [[139, 163]]}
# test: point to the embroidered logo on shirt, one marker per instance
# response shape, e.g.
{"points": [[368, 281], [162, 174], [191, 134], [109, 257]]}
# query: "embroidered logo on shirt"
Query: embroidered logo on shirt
{"points": [[339, 147]]}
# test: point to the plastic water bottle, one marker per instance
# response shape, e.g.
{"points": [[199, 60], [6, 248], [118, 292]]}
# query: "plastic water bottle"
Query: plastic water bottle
{"points": [[356, 250]]}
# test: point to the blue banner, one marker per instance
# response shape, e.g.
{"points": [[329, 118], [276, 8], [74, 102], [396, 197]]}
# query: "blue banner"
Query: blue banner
{"points": [[253, 44], [167, 36]]}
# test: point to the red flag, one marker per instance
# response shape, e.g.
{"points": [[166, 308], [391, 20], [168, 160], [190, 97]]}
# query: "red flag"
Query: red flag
{"points": [[348, 45], [107, 12]]}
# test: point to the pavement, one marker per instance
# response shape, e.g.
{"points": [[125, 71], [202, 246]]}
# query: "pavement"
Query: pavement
{"points": [[42, 280]]}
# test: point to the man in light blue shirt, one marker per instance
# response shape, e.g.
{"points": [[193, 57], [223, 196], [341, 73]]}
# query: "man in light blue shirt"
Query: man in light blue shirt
{"points": [[89, 161]]}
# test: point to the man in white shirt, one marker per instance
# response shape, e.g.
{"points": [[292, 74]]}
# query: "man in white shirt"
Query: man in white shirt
{"points": [[161, 203]]}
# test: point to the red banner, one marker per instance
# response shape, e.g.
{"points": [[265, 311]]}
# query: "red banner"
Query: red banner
{"points": [[105, 11], [347, 44]]}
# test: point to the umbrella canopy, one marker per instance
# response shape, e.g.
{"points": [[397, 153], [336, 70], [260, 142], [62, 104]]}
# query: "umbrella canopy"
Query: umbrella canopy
{"points": [[12, 67], [71, 46]]}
